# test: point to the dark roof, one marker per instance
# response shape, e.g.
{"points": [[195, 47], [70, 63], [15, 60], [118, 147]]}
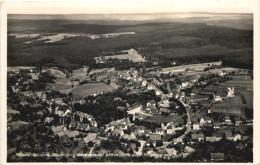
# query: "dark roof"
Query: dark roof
{"points": [[155, 137], [227, 118], [197, 136], [217, 156], [152, 102], [218, 135]]}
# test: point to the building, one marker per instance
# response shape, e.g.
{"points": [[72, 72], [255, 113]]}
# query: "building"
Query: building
{"points": [[230, 92], [218, 136], [152, 103], [196, 126], [159, 131], [205, 120], [118, 132], [155, 139], [227, 120], [238, 120], [216, 156], [197, 137], [170, 129], [91, 137]]}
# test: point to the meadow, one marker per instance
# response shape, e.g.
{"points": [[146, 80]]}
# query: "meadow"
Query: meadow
{"points": [[88, 89]]}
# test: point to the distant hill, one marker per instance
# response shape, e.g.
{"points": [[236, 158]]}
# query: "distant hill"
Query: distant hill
{"points": [[185, 40]]}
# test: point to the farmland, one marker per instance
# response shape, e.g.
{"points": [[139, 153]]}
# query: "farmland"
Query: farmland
{"points": [[131, 54], [88, 89]]}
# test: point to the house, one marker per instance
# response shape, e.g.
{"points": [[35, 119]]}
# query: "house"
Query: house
{"points": [[171, 151], [140, 130], [238, 120], [164, 103], [196, 126], [159, 131], [188, 149], [151, 110], [205, 120], [229, 135], [111, 126], [48, 120], [90, 137], [170, 129], [218, 136], [222, 73], [58, 101], [165, 125], [184, 84], [57, 129], [211, 139], [158, 93], [118, 132], [128, 137], [121, 126], [217, 98], [227, 120], [178, 140], [197, 137], [150, 87], [236, 137], [60, 134], [230, 92], [217, 156], [73, 134], [151, 103], [155, 138]]}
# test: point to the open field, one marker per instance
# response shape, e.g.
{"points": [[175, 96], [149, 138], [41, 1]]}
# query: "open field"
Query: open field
{"points": [[158, 119], [88, 89], [56, 73], [242, 100], [195, 67], [131, 55]]}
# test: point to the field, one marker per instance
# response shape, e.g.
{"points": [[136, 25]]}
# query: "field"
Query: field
{"points": [[56, 73], [88, 89], [131, 55], [158, 119], [194, 68], [241, 102]]}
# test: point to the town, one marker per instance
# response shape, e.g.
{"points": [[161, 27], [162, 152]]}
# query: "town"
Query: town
{"points": [[198, 112]]}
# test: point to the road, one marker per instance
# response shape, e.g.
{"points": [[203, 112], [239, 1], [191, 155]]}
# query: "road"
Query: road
{"points": [[188, 121]]}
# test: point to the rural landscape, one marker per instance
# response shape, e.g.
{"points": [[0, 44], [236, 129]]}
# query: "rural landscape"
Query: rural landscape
{"points": [[168, 87]]}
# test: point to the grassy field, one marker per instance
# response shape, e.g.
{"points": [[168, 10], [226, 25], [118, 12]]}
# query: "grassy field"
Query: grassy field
{"points": [[131, 55], [158, 119], [195, 67], [88, 89]]}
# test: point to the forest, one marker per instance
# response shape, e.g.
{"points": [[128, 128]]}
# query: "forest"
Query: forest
{"points": [[183, 43]]}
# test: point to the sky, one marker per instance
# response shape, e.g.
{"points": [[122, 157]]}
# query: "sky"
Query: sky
{"points": [[131, 6]]}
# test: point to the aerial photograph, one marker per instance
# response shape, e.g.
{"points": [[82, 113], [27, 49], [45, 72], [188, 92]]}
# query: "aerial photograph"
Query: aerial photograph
{"points": [[130, 87]]}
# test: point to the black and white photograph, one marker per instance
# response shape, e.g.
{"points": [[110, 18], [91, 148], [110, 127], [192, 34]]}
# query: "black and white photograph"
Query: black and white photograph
{"points": [[130, 82]]}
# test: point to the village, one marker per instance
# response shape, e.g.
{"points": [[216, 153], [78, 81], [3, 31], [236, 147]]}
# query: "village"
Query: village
{"points": [[141, 111]]}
